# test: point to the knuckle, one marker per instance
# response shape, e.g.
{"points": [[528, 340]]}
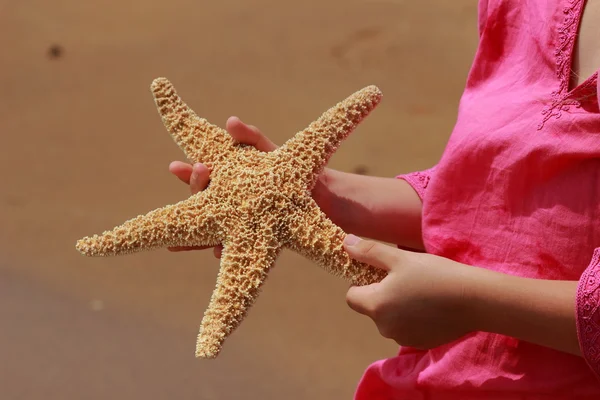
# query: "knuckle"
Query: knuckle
{"points": [[255, 130], [375, 309], [357, 303], [349, 300], [385, 331], [369, 248]]}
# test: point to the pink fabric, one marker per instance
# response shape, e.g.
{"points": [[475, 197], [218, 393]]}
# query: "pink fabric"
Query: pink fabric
{"points": [[588, 315], [517, 190], [419, 180]]}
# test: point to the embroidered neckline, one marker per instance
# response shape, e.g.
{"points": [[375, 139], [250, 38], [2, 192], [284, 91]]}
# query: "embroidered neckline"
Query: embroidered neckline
{"points": [[567, 33]]}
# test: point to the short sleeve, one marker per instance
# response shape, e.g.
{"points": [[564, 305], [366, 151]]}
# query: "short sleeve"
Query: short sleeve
{"points": [[419, 180], [482, 15], [588, 313]]}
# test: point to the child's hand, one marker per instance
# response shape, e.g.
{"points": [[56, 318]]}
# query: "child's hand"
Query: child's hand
{"points": [[197, 176], [422, 301]]}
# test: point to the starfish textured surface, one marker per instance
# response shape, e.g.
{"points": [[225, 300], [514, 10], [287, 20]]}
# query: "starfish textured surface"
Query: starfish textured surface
{"points": [[256, 204]]}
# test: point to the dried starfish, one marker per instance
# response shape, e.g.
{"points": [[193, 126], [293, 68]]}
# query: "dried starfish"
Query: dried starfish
{"points": [[256, 204]]}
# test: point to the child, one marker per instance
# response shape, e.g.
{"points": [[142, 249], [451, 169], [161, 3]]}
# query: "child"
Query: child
{"points": [[500, 298]]}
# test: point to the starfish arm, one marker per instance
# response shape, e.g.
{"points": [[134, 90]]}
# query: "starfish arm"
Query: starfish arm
{"points": [[187, 223], [245, 263], [308, 151], [199, 140], [316, 237]]}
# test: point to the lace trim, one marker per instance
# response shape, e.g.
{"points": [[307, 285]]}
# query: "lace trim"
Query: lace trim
{"points": [[418, 180], [563, 52], [588, 317]]}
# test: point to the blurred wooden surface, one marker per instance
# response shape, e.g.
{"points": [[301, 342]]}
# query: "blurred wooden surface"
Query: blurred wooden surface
{"points": [[83, 149]]}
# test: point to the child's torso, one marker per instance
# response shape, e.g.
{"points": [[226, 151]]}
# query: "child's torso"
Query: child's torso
{"points": [[517, 190]]}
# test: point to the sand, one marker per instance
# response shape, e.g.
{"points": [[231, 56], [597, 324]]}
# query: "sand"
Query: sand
{"points": [[82, 149]]}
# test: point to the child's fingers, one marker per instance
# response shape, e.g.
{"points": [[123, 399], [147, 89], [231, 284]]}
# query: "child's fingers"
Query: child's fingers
{"points": [[199, 179], [217, 250], [363, 299], [186, 248], [196, 176], [181, 170], [248, 134], [372, 253]]}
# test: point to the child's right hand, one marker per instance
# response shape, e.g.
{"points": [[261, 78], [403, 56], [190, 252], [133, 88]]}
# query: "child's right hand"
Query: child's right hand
{"points": [[197, 176], [366, 206]]}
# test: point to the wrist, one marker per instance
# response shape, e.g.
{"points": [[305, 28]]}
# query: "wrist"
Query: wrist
{"points": [[463, 289], [533, 310], [481, 299]]}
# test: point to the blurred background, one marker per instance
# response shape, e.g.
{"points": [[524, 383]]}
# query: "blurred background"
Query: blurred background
{"points": [[83, 149]]}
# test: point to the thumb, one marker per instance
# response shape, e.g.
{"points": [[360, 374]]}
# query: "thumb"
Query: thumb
{"points": [[372, 253]]}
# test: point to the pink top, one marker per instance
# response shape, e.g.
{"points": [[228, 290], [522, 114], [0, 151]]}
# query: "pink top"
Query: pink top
{"points": [[517, 190]]}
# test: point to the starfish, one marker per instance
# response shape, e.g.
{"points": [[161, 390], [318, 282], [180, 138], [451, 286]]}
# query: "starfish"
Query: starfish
{"points": [[256, 204]]}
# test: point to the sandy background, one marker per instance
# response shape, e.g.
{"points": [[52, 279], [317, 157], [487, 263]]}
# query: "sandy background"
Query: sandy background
{"points": [[83, 149]]}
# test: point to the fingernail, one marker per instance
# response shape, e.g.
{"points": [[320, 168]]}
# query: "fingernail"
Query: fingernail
{"points": [[351, 240]]}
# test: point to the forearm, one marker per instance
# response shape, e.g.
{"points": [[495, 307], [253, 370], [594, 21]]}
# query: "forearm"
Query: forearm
{"points": [[385, 209], [534, 310]]}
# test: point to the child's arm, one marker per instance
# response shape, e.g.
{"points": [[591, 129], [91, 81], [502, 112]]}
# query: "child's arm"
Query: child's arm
{"points": [[535, 310], [426, 301], [385, 209]]}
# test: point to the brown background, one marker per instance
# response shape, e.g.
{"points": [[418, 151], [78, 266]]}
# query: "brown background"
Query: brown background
{"points": [[83, 149]]}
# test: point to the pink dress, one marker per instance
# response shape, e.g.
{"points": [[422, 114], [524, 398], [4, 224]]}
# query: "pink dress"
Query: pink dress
{"points": [[517, 190]]}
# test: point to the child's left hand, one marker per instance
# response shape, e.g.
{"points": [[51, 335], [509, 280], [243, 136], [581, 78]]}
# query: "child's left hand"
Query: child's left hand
{"points": [[421, 303], [426, 301]]}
